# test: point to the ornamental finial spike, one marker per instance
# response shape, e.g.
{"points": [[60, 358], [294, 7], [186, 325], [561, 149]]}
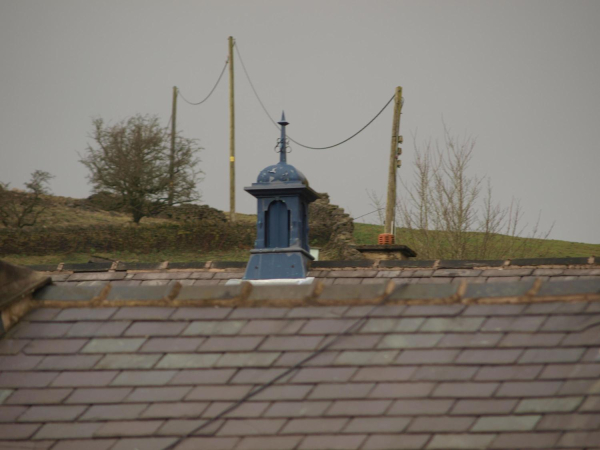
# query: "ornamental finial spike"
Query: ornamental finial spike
{"points": [[282, 139]]}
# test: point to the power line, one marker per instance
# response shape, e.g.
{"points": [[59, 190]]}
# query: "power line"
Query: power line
{"points": [[212, 90], [349, 331], [294, 141]]}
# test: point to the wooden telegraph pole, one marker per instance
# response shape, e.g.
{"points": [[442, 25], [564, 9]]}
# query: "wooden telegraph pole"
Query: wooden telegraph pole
{"points": [[231, 135], [172, 156], [395, 151]]}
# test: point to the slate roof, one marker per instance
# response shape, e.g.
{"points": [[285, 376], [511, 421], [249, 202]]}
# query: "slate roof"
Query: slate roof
{"points": [[381, 365]]}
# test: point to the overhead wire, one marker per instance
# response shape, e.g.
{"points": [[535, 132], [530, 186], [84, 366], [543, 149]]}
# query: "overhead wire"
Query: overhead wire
{"points": [[288, 136], [211, 91], [349, 331]]}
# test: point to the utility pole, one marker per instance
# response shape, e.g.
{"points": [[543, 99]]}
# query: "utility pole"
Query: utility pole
{"points": [[231, 135], [395, 151], [172, 157]]}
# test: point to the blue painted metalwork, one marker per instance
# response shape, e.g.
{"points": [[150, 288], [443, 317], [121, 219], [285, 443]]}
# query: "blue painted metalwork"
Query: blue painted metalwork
{"points": [[283, 195]]}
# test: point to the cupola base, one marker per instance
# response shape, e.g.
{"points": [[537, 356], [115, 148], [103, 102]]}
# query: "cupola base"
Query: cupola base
{"points": [[276, 263]]}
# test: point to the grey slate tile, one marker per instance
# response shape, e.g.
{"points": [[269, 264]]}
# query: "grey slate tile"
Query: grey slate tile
{"points": [[269, 443], [264, 327], [54, 413], [396, 441], [203, 376], [445, 373], [483, 407], [461, 441], [249, 427], [339, 391], [417, 357], [569, 422], [67, 431], [579, 439], [153, 443], [113, 412], [423, 291], [67, 293], [528, 389], [314, 426], [401, 390], [505, 324], [187, 361], [127, 361], [41, 330], [326, 374], [568, 371], [532, 340], [398, 325], [249, 359], [366, 358], [441, 424], [508, 373], [520, 440], [469, 340], [144, 312], [489, 356], [68, 362], [384, 373], [19, 362], [17, 431], [91, 379], [209, 328], [158, 394], [507, 423], [320, 312], [543, 355], [544, 405], [98, 395], [160, 328], [358, 407], [26, 379], [465, 390], [433, 310], [492, 310], [283, 392], [570, 287], [403, 341], [98, 329], [334, 442], [200, 313], [143, 377], [218, 393], [171, 345], [34, 396], [420, 407], [283, 343], [128, 428], [297, 409], [211, 292], [108, 345], [452, 324]]}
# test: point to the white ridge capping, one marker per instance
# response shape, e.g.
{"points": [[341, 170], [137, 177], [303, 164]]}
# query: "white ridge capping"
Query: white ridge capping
{"points": [[273, 282]]}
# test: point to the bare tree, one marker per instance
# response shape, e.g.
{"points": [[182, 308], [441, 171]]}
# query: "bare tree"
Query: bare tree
{"points": [[131, 160], [20, 209], [449, 214]]}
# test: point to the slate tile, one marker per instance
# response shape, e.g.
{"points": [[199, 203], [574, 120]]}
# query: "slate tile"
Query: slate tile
{"points": [[396, 441], [289, 359], [91, 379], [247, 409], [465, 390], [297, 409], [87, 444], [393, 311], [4, 394], [203, 313], [489, 356], [426, 357], [128, 361], [422, 291], [104, 345], [554, 355], [440, 424], [506, 280], [377, 425], [12, 346], [41, 315], [269, 443], [420, 407], [366, 358], [578, 387], [454, 324], [350, 281], [333, 442], [569, 422], [526, 440], [506, 324], [67, 430], [11, 413], [155, 329], [207, 289], [68, 362], [532, 340], [153, 443], [544, 405], [384, 373], [268, 327], [143, 377], [327, 326], [464, 340], [324, 375], [356, 342], [19, 362], [579, 439], [98, 329], [258, 313], [565, 371], [342, 390], [67, 292], [187, 361], [506, 272], [249, 427], [481, 407], [98, 395], [41, 330], [344, 292], [84, 314], [177, 427], [528, 389], [26, 379], [143, 312], [158, 394], [171, 345], [37, 396], [584, 338], [492, 310], [114, 412], [208, 443], [591, 355], [255, 376], [314, 426], [205, 376], [570, 287], [290, 343], [358, 407], [507, 373], [205, 283], [284, 392], [506, 423], [250, 359], [216, 393], [129, 428], [396, 325], [403, 341], [54, 413], [17, 431], [54, 346], [210, 328], [444, 373], [461, 441], [401, 390]]}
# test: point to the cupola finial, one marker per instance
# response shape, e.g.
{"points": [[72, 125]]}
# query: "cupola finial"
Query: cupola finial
{"points": [[283, 138]]}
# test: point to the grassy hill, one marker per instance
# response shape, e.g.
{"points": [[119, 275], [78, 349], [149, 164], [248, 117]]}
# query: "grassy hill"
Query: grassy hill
{"points": [[64, 211]]}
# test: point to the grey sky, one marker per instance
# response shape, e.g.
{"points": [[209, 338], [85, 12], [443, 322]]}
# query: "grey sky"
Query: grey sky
{"points": [[522, 77]]}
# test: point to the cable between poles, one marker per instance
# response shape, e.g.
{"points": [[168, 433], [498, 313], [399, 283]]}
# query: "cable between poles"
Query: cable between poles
{"points": [[211, 91], [277, 126]]}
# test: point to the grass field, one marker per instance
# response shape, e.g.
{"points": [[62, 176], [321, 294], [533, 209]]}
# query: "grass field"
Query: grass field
{"points": [[62, 211]]}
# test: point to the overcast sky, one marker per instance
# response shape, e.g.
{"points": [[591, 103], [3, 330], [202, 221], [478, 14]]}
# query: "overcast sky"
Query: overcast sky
{"points": [[522, 77]]}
